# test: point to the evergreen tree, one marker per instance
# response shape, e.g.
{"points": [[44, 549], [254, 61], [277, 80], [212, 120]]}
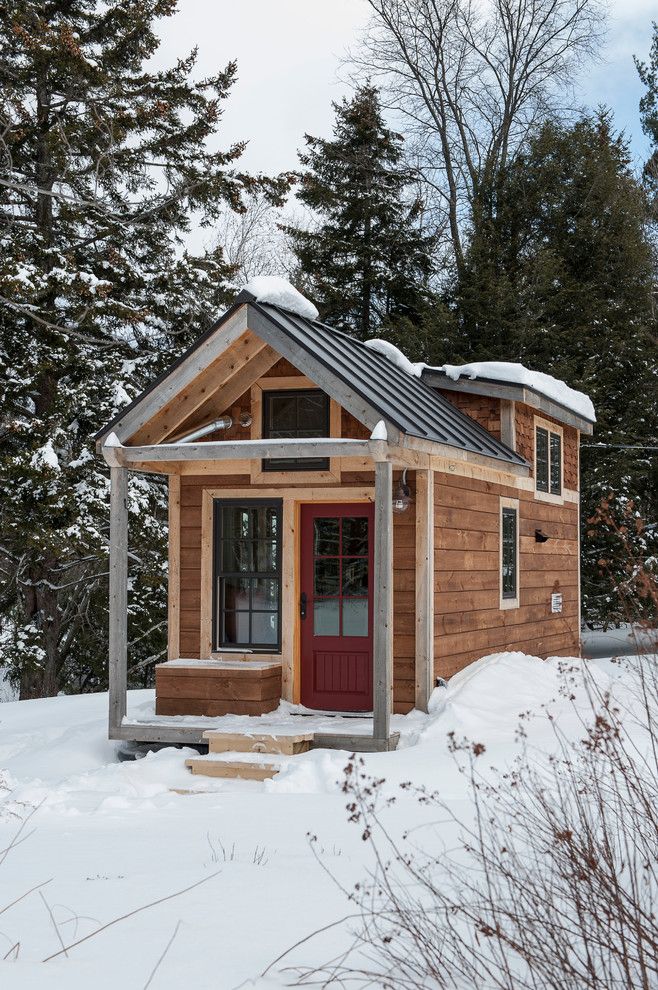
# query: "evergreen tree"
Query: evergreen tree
{"points": [[104, 166], [568, 269], [649, 115], [367, 262]]}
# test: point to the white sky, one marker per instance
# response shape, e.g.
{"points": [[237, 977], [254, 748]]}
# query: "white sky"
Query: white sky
{"points": [[289, 54]]}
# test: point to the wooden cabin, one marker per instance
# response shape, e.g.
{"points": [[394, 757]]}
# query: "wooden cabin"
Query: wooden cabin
{"points": [[342, 532]]}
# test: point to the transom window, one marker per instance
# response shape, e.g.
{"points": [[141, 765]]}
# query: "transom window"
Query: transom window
{"points": [[294, 415], [548, 461], [247, 587]]}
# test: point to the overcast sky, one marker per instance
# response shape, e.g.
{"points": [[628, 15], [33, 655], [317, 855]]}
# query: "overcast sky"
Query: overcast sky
{"points": [[289, 54]]}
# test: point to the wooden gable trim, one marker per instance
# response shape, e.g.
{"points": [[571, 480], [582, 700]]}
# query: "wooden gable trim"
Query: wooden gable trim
{"points": [[149, 404]]}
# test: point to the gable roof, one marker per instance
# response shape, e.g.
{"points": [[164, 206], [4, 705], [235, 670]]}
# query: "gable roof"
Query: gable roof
{"points": [[360, 379]]}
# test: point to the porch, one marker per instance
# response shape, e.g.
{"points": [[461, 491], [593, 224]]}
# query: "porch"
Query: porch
{"points": [[194, 694]]}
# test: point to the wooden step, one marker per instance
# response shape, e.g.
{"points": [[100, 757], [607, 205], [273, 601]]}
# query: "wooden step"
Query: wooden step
{"points": [[234, 769], [262, 742]]}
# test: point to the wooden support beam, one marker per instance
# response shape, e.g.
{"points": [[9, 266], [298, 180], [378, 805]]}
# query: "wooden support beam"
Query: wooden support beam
{"points": [[383, 602], [424, 588], [226, 450], [173, 576], [118, 638]]}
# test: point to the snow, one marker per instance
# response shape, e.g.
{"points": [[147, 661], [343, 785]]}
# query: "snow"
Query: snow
{"points": [[517, 374], [278, 291], [108, 837], [380, 432], [45, 457], [395, 356], [504, 371]]}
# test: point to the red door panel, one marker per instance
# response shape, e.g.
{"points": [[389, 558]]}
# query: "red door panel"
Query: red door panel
{"points": [[336, 606]]}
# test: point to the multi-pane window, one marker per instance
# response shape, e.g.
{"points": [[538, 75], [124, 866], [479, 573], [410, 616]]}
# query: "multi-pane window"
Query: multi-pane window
{"points": [[247, 610], [509, 553], [340, 576], [548, 461], [295, 414]]}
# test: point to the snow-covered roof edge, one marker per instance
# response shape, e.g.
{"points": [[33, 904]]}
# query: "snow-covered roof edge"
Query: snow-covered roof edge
{"points": [[507, 372], [279, 292]]}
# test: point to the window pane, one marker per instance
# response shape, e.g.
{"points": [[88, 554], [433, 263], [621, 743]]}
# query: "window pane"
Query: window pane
{"points": [[325, 537], [237, 555], [312, 414], [541, 460], [355, 617], [282, 415], [509, 562], [265, 556], [235, 628], [355, 537], [325, 618], [355, 577], [556, 463], [235, 522], [264, 628], [235, 593], [265, 594], [326, 571]]}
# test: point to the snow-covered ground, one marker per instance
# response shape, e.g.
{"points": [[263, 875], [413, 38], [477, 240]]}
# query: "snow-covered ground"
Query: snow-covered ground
{"points": [[107, 838]]}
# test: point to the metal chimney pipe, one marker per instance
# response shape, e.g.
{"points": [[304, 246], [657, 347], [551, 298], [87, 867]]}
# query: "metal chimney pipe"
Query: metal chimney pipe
{"points": [[223, 423]]}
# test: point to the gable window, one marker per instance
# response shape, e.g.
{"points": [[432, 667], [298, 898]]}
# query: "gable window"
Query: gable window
{"points": [[548, 461], [509, 553], [295, 414], [247, 586]]}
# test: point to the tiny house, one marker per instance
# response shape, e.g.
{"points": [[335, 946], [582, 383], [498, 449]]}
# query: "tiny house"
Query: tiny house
{"points": [[344, 527]]}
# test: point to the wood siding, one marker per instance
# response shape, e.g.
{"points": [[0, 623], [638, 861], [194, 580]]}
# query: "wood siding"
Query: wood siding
{"points": [[469, 622]]}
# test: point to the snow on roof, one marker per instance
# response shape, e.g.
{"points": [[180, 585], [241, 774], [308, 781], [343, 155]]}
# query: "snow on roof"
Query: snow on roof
{"points": [[278, 291], [395, 355], [499, 371], [517, 374]]}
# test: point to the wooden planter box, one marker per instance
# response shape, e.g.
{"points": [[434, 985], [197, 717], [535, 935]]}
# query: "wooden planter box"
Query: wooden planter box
{"points": [[217, 687]]}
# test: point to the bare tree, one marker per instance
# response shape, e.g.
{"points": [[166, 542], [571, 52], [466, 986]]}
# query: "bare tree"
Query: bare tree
{"points": [[252, 241], [471, 79]]}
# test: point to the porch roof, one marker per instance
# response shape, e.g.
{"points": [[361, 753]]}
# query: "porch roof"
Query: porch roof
{"points": [[348, 370]]}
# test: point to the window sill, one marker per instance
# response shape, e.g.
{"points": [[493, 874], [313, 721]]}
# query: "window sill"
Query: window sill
{"points": [[548, 497]]}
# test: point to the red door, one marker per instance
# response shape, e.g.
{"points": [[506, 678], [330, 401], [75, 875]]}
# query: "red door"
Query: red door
{"points": [[336, 607]]}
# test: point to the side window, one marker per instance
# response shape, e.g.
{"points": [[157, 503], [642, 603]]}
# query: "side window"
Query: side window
{"points": [[548, 461], [509, 554]]}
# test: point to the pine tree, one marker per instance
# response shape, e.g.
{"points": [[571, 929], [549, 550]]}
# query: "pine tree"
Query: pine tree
{"points": [[649, 115], [104, 166], [568, 271], [367, 262]]}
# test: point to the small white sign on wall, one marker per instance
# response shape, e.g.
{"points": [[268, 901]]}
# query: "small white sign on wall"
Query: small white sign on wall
{"points": [[556, 602]]}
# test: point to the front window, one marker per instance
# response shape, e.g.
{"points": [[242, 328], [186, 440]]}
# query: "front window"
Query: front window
{"points": [[247, 606], [548, 461], [294, 415]]}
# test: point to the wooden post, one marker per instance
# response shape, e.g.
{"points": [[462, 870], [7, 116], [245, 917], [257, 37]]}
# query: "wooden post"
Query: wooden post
{"points": [[424, 587], [173, 584], [383, 603], [118, 659]]}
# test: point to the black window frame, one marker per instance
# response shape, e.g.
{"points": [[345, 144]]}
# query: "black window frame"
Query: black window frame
{"points": [[552, 468], [293, 463], [218, 574], [507, 595]]}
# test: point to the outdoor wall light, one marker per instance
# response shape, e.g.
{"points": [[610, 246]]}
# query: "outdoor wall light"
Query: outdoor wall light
{"points": [[402, 497], [541, 537], [245, 420]]}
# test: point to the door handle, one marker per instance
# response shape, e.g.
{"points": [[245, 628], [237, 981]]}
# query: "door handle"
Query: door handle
{"points": [[302, 605]]}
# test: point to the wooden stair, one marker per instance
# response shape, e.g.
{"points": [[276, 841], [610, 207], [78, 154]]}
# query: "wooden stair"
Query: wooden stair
{"points": [[223, 744]]}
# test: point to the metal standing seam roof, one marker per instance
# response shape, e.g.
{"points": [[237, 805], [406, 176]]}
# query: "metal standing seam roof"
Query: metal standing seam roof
{"points": [[404, 400]]}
